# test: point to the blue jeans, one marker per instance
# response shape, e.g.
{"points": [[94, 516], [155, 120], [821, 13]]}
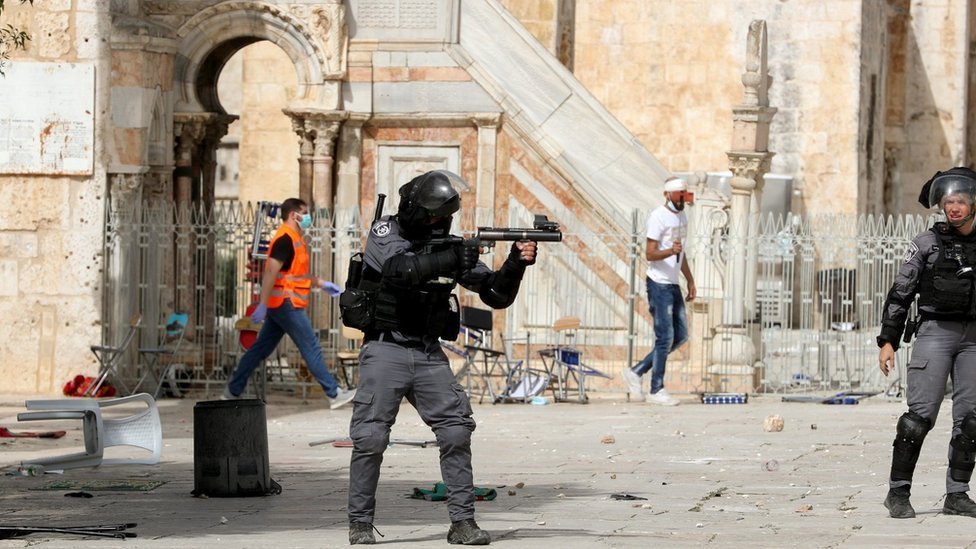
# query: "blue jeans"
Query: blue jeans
{"points": [[667, 307], [280, 321]]}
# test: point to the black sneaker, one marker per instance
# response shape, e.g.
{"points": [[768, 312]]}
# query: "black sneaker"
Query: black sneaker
{"points": [[466, 532], [361, 533], [898, 504], [958, 503]]}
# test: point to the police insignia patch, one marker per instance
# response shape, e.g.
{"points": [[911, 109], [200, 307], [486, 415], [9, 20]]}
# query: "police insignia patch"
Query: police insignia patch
{"points": [[381, 228], [911, 251]]}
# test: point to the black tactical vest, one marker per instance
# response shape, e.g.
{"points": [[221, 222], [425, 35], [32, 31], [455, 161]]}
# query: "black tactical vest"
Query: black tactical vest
{"points": [[940, 289]]}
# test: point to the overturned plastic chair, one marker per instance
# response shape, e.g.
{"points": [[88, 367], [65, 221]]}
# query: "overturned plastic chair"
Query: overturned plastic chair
{"points": [[141, 429]]}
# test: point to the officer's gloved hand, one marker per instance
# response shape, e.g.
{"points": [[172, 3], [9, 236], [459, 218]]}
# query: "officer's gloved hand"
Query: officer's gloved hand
{"points": [[525, 255], [468, 253], [257, 316], [332, 288]]}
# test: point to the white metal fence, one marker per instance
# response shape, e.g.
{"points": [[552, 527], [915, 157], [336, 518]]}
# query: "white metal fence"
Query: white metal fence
{"points": [[810, 308]]}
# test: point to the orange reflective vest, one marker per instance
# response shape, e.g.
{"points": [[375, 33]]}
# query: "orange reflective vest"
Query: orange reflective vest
{"points": [[294, 283]]}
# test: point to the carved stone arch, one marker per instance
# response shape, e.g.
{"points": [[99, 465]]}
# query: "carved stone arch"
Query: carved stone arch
{"points": [[211, 37]]}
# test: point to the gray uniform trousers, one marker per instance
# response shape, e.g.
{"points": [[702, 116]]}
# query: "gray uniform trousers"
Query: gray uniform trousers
{"points": [[388, 372], [944, 348]]}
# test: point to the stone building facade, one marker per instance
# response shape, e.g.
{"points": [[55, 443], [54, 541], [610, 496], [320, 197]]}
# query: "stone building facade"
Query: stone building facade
{"points": [[573, 108], [872, 97]]}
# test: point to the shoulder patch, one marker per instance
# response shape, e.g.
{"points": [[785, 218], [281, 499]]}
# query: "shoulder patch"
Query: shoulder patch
{"points": [[381, 228], [911, 252]]}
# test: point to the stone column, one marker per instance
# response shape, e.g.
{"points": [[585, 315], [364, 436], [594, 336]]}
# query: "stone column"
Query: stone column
{"points": [[733, 353], [348, 218], [319, 128], [317, 131], [197, 137], [189, 130], [216, 129], [123, 293]]}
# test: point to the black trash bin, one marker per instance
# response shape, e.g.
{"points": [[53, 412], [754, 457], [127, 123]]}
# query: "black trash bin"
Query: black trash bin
{"points": [[230, 449]]}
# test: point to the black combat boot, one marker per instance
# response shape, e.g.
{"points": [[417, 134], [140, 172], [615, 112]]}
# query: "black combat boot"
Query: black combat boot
{"points": [[467, 532], [958, 503], [361, 533], [898, 504]]}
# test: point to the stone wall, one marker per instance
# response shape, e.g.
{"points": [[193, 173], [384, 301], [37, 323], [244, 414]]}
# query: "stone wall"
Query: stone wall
{"points": [[269, 145], [51, 225], [672, 79]]}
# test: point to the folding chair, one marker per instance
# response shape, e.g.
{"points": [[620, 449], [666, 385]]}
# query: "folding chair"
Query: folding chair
{"points": [[347, 360], [160, 361], [482, 364], [142, 430], [563, 362], [110, 358]]}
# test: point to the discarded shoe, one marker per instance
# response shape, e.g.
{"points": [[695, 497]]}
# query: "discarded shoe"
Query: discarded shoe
{"points": [[361, 533], [958, 503], [467, 532], [898, 505]]}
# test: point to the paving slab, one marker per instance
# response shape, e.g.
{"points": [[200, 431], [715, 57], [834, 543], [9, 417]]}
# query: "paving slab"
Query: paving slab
{"points": [[710, 475]]}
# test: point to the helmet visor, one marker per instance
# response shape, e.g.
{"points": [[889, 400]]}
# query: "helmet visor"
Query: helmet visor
{"points": [[951, 186]]}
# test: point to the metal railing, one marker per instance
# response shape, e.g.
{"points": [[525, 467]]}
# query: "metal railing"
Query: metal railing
{"points": [[810, 305]]}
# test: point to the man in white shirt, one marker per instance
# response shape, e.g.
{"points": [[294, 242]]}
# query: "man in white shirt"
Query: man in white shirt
{"points": [[667, 229]]}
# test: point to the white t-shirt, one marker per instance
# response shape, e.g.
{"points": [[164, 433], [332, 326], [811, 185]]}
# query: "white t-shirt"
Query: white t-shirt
{"points": [[665, 226]]}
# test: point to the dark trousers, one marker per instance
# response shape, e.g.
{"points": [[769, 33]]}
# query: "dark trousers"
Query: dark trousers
{"points": [[388, 372]]}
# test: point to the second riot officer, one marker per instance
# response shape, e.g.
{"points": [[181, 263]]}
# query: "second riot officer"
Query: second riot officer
{"points": [[938, 268]]}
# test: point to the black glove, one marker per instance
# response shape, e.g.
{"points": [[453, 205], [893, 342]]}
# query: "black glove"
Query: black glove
{"points": [[468, 253], [516, 255]]}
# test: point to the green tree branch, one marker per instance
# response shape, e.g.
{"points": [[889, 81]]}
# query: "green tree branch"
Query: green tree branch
{"points": [[11, 38]]}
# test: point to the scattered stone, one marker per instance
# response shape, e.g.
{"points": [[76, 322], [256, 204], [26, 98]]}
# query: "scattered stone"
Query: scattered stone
{"points": [[804, 508], [613, 476], [520, 485], [511, 492], [608, 439], [813, 426], [771, 465], [773, 424]]}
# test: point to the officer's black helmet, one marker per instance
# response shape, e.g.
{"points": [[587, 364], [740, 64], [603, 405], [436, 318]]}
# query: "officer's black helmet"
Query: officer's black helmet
{"points": [[430, 195], [957, 181]]}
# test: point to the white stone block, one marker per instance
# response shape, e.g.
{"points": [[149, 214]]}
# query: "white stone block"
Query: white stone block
{"points": [[429, 59], [90, 39], [8, 277], [399, 97], [22, 245], [130, 108]]}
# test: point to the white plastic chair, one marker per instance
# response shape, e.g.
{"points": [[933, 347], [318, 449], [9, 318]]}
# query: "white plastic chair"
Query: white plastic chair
{"points": [[142, 429]]}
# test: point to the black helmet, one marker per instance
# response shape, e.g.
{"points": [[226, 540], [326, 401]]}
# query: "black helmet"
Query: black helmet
{"points": [[959, 180], [429, 195]]}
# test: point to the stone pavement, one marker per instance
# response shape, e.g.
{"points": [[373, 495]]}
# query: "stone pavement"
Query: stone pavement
{"points": [[710, 474]]}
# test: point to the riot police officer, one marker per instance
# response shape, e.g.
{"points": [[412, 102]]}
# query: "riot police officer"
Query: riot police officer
{"points": [[938, 268], [410, 269]]}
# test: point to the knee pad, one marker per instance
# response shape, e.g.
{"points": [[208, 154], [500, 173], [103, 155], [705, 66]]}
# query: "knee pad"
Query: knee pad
{"points": [[912, 428], [910, 434], [964, 450]]}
